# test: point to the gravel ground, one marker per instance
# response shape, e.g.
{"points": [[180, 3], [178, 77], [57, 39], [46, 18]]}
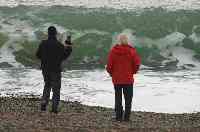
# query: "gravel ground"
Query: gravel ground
{"points": [[21, 114]]}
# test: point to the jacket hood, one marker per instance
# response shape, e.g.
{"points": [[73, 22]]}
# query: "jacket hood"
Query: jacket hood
{"points": [[122, 49]]}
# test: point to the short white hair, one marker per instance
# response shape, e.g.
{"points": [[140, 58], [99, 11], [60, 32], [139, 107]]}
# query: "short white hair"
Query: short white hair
{"points": [[123, 39]]}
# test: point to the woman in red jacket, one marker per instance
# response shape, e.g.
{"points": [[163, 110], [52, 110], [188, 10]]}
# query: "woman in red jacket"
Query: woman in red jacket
{"points": [[123, 63]]}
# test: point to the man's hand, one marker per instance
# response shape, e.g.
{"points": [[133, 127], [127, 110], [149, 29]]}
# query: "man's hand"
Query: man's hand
{"points": [[67, 45]]}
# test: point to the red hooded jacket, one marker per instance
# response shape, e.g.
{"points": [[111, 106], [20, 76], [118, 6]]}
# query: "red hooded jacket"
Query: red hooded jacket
{"points": [[123, 62]]}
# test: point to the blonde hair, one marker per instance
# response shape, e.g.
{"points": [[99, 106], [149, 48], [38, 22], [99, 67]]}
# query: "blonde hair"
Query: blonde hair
{"points": [[123, 39]]}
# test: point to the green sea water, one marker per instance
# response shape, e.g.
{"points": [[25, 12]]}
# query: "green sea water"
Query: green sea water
{"points": [[94, 30]]}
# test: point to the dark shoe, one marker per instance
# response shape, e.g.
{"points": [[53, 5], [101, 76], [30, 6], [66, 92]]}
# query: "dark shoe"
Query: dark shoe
{"points": [[43, 108], [54, 111], [118, 119], [115, 118], [119, 115], [127, 120], [127, 117], [127, 114]]}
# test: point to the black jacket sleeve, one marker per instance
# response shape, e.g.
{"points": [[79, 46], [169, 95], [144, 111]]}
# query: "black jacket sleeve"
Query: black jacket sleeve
{"points": [[39, 51], [67, 52]]}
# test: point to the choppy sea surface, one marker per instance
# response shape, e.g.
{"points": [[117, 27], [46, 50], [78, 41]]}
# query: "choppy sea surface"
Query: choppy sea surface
{"points": [[168, 92]]}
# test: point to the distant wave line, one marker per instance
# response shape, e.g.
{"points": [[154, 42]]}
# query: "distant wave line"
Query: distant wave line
{"points": [[118, 4]]}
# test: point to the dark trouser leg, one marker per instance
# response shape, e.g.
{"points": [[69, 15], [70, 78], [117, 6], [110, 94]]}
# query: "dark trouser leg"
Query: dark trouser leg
{"points": [[56, 85], [46, 90], [118, 102], [128, 96]]}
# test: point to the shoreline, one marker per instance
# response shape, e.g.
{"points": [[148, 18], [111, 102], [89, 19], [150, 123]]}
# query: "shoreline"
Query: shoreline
{"points": [[22, 114]]}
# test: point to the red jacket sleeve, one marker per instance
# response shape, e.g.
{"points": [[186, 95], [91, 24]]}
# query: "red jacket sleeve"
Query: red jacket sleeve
{"points": [[136, 61], [110, 63]]}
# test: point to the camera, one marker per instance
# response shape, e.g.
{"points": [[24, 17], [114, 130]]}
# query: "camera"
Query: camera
{"points": [[68, 40]]}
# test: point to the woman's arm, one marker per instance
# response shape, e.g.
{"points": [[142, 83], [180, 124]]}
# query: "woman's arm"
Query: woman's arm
{"points": [[109, 66], [136, 62]]}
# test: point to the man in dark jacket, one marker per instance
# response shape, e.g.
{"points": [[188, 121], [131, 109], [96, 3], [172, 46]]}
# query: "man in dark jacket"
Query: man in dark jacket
{"points": [[51, 53]]}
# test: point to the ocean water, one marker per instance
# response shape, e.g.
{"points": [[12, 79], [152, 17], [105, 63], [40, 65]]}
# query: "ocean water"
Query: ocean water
{"points": [[166, 92]]}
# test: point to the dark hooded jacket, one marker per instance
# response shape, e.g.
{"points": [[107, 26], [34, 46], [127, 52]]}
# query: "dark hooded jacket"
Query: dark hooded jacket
{"points": [[123, 63], [51, 53]]}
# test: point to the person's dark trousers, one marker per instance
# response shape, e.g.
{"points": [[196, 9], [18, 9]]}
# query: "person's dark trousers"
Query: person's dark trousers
{"points": [[128, 95], [52, 81]]}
